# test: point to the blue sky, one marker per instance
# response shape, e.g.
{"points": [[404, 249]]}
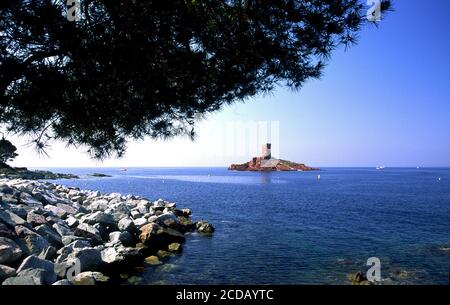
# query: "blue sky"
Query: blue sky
{"points": [[385, 101]]}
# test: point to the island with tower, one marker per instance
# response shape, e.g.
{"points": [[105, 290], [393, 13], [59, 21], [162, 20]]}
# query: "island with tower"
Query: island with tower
{"points": [[267, 163]]}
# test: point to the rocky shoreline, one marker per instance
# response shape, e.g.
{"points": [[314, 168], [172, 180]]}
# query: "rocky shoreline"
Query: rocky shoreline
{"points": [[56, 235], [24, 173]]}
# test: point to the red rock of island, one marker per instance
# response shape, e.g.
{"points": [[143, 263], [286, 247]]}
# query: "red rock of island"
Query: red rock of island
{"points": [[267, 163]]}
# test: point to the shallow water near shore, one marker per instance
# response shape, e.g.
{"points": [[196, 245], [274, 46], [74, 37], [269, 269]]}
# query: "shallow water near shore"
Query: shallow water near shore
{"points": [[290, 228]]}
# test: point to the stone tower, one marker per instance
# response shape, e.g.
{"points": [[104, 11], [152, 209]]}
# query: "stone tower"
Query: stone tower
{"points": [[266, 151]]}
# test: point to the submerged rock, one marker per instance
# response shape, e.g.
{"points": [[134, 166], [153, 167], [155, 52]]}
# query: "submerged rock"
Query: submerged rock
{"points": [[204, 227], [90, 278], [358, 278], [175, 247], [153, 260]]}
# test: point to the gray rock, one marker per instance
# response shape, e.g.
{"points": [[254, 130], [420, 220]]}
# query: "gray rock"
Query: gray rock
{"points": [[11, 219], [103, 229], [6, 272], [143, 206], [37, 195], [35, 244], [35, 219], [186, 212], [135, 214], [78, 199], [71, 221], [10, 252], [98, 205], [140, 222], [48, 199], [28, 277], [74, 193], [48, 253], [51, 220], [62, 229], [152, 218], [67, 250], [88, 231], [57, 211], [9, 199], [99, 217], [20, 210], [28, 199], [125, 238], [170, 205], [119, 211], [65, 268], [110, 255], [6, 190], [66, 240], [159, 203], [121, 255], [70, 209], [166, 216], [22, 231], [49, 234], [33, 262], [126, 224], [90, 259], [6, 232]]}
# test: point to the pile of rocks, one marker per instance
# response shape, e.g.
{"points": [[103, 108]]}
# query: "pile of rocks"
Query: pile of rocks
{"points": [[52, 234]]}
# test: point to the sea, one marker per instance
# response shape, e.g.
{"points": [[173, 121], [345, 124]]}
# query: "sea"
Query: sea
{"points": [[294, 228]]}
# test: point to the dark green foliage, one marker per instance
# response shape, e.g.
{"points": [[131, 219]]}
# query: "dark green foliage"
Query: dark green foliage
{"points": [[7, 152], [136, 68]]}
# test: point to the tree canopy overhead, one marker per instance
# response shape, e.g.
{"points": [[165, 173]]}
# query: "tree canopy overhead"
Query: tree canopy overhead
{"points": [[137, 68]]}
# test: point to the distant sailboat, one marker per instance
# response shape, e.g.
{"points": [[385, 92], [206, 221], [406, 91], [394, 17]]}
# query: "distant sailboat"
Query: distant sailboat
{"points": [[380, 167], [318, 177]]}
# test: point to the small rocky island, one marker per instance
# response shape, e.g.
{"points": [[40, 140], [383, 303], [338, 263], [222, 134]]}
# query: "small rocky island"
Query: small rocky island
{"points": [[55, 235], [267, 163]]}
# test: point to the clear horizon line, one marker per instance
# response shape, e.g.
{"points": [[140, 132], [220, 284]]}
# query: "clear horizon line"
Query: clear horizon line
{"points": [[224, 166]]}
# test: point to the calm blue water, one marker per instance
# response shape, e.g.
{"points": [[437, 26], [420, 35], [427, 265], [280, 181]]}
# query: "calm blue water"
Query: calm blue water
{"points": [[290, 228]]}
